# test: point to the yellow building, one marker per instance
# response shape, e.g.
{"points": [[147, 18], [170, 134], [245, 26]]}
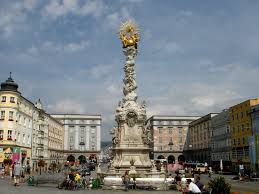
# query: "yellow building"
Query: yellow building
{"points": [[56, 141], [15, 123], [241, 128]]}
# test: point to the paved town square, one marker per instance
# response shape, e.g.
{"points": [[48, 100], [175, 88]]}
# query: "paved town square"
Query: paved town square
{"points": [[129, 96], [7, 187]]}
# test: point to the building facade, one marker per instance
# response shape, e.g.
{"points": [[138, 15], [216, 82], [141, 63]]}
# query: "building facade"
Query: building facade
{"points": [[241, 131], [15, 123], [169, 136], [200, 133], [221, 139], [254, 139], [82, 135], [27, 133]]}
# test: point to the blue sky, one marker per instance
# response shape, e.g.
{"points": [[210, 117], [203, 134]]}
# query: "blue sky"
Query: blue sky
{"points": [[194, 57]]}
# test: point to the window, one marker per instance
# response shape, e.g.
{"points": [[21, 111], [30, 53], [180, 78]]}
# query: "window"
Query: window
{"points": [[92, 129], [10, 115], [170, 130], [71, 139], [2, 114], [82, 130], [170, 139], [243, 128], [161, 148], [238, 141], [23, 139], [181, 147], [12, 100], [81, 139], [180, 130], [1, 134], [237, 116], [3, 98], [160, 139], [180, 139], [234, 142], [242, 114], [9, 135], [170, 147], [233, 117], [71, 147], [244, 140], [160, 130]]}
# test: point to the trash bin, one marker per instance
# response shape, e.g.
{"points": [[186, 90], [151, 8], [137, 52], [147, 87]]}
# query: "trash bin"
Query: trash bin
{"points": [[96, 183]]}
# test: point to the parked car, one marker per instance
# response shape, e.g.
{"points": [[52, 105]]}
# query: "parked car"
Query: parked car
{"points": [[201, 168]]}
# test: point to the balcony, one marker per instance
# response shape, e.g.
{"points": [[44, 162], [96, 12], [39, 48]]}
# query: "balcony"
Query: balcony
{"points": [[40, 144]]}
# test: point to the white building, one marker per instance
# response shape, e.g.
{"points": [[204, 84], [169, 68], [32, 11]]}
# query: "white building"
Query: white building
{"points": [[82, 135]]}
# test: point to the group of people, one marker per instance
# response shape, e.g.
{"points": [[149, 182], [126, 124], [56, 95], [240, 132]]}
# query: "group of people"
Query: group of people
{"points": [[190, 187]]}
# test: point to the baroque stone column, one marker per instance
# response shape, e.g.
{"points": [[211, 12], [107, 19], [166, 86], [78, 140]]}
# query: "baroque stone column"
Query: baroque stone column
{"points": [[130, 137]]}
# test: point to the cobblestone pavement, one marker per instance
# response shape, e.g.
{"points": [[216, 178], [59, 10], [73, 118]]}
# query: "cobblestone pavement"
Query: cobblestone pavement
{"points": [[6, 187]]}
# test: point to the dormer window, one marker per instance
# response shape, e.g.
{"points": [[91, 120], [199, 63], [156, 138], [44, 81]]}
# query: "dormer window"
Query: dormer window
{"points": [[3, 98]]}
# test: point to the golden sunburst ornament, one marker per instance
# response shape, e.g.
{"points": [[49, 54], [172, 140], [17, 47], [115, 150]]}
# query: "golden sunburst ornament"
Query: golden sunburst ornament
{"points": [[129, 33]]}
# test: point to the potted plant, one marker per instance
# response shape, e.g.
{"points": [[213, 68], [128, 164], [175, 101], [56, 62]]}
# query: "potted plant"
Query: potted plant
{"points": [[219, 186]]}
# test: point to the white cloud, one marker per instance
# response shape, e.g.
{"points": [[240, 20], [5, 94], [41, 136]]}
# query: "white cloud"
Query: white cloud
{"points": [[67, 106], [52, 47], [13, 16], [186, 13], [57, 8], [131, 1], [113, 20], [75, 47], [173, 47], [99, 71]]}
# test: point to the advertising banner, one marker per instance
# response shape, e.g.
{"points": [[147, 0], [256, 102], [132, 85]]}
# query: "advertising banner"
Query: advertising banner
{"points": [[16, 154]]}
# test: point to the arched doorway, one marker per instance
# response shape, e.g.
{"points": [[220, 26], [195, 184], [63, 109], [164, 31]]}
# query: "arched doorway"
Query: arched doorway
{"points": [[71, 158], [160, 157], [82, 159], [171, 159], [181, 158]]}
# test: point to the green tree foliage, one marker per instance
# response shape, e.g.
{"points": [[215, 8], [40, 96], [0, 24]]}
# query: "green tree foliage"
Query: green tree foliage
{"points": [[219, 186]]}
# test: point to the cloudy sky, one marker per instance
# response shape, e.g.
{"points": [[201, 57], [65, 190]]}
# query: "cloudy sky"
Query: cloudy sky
{"points": [[195, 57]]}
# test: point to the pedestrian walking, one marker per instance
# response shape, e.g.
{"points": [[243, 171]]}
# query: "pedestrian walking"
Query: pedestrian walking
{"points": [[17, 173]]}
